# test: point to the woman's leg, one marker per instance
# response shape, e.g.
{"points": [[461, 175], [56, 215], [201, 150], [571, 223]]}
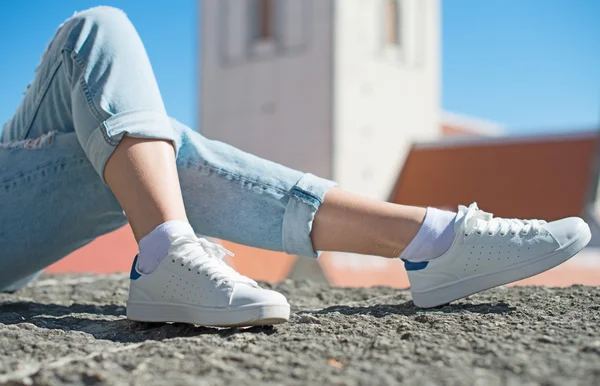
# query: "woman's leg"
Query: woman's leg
{"points": [[349, 223], [142, 174], [236, 196]]}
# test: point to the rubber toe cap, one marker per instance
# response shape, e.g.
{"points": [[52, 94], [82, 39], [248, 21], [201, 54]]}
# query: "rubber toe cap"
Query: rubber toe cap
{"points": [[567, 229], [245, 294]]}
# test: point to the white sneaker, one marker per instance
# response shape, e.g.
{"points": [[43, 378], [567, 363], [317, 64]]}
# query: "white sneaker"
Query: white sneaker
{"points": [[491, 251], [194, 285]]}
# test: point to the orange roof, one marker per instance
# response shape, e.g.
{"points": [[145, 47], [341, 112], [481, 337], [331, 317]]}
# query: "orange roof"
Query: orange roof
{"points": [[547, 177], [113, 252]]}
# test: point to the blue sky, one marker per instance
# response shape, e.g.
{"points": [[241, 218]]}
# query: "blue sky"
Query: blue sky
{"points": [[533, 65], [167, 27]]}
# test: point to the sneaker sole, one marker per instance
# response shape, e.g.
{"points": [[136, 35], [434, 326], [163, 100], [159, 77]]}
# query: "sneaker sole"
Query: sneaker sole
{"points": [[471, 285], [248, 315]]}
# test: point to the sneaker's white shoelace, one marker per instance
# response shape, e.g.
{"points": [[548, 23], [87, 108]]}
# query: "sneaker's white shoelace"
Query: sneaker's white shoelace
{"points": [[202, 256], [480, 222]]}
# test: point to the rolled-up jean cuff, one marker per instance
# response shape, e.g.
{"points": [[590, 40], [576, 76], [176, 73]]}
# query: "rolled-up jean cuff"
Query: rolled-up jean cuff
{"points": [[305, 198], [139, 124]]}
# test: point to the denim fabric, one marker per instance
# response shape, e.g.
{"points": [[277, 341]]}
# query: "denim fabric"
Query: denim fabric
{"points": [[94, 85]]}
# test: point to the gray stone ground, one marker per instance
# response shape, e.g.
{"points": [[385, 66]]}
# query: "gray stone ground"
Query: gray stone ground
{"points": [[72, 330]]}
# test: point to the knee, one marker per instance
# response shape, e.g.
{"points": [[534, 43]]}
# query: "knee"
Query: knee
{"points": [[104, 26], [103, 16]]}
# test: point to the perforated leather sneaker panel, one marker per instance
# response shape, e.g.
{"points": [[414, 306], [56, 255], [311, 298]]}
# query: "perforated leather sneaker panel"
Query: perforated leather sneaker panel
{"points": [[172, 282], [472, 254]]}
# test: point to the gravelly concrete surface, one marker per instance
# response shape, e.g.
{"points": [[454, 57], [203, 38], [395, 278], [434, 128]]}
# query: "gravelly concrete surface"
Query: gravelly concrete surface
{"points": [[72, 330]]}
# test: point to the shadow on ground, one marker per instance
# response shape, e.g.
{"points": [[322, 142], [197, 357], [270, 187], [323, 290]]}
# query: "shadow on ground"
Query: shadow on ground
{"points": [[409, 309], [108, 322]]}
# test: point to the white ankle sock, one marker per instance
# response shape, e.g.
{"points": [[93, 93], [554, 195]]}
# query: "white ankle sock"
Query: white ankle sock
{"points": [[433, 239], [154, 247]]}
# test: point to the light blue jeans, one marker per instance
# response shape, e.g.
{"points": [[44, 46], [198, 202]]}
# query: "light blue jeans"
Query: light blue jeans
{"points": [[95, 84]]}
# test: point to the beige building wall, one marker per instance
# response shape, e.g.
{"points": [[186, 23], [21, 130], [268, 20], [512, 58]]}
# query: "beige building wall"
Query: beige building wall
{"points": [[270, 96], [339, 88], [387, 88]]}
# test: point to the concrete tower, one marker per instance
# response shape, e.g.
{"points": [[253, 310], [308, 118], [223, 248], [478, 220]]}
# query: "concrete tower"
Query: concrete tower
{"points": [[338, 88]]}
